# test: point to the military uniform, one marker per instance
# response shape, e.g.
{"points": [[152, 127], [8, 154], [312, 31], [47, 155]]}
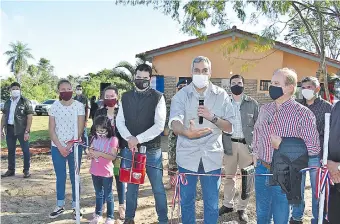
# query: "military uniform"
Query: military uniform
{"points": [[172, 141]]}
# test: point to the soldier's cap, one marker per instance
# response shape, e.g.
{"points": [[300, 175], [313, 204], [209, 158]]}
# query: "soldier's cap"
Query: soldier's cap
{"points": [[182, 81]]}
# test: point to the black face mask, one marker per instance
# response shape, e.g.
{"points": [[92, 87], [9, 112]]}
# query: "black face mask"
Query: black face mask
{"points": [[237, 90], [142, 83], [275, 92]]}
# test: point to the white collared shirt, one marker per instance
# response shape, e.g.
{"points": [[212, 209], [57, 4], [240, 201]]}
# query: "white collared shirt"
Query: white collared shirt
{"points": [[14, 104]]}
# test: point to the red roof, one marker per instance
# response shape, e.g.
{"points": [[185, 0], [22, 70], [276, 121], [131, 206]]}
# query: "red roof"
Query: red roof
{"points": [[233, 30]]}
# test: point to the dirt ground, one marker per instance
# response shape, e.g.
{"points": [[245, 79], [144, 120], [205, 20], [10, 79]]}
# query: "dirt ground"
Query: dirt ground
{"points": [[31, 200]]}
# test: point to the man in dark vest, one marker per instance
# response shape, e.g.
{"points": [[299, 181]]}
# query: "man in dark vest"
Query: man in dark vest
{"points": [[16, 122], [140, 121]]}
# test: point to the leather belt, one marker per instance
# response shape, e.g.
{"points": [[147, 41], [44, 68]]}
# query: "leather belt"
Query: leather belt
{"points": [[239, 140], [265, 164]]}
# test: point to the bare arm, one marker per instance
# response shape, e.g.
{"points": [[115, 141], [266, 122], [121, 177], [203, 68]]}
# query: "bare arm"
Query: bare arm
{"points": [[106, 156], [81, 125], [53, 135], [3, 121]]}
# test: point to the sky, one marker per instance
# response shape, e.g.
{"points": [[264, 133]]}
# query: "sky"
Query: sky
{"points": [[82, 37]]}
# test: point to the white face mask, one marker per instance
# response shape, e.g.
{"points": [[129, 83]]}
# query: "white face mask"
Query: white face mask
{"points": [[15, 93], [200, 81], [78, 92], [308, 94]]}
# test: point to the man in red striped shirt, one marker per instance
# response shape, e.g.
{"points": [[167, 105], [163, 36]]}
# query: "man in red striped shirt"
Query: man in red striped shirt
{"points": [[282, 118]]}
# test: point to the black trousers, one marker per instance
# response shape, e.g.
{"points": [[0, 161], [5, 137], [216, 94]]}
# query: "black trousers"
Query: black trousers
{"points": [[333, 206]]}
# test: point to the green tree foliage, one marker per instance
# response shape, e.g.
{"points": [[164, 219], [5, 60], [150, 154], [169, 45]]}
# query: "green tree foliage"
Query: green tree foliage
{"points": [[18, 55]]}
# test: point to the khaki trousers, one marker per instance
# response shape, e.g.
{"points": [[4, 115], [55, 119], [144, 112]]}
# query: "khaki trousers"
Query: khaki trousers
{"points": [[242, 158]]}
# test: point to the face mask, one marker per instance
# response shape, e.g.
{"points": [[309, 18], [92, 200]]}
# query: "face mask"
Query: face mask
{"points": [[308, 94], [110, 102], [15, 93], [275, 92], [66, 96], [79, 92], [200, 81], [101, 134], [142, 83], [237, 90]]}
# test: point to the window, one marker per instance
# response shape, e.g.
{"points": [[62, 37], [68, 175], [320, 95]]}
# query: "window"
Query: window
{"points": [[264, 85], [187, 78]]}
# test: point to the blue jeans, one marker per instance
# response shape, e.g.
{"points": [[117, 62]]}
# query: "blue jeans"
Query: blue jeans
{"points": [[59, 164], [210, 187], [11, 140], [120, 191], [298, 210], [271, 201], [153, 158], [103, 189]]}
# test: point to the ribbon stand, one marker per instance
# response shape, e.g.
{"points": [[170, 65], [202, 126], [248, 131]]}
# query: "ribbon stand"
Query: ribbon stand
{"points": [[324, 162], [76, 166]]}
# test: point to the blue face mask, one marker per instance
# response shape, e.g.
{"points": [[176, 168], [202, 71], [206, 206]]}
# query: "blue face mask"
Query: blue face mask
{"points": [[275, 92]]}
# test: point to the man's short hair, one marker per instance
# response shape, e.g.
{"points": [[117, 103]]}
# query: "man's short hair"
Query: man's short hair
{"points": [[79, 86], [291, 77], [15, 84], [111, 87], [144, 68], [237, 76], [62, 81], [199, 59], [311, 79]]}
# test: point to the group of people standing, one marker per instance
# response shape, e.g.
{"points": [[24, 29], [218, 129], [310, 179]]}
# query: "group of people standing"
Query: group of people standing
{"points": [[208, 130]]}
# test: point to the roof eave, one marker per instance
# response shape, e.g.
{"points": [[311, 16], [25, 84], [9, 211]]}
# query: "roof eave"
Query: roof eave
{"points": [[193, 43]]}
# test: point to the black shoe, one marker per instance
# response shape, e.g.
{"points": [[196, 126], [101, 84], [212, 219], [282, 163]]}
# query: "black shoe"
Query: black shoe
{"points": [[8, 173], [57, 211], [242, 215], [129, 221], [292, 221], [27, 174], [224, 210], [75, 214]]}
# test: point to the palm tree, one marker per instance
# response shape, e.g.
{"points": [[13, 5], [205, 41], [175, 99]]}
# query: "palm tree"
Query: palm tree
{"points": [[18, 56], [125, 70]]}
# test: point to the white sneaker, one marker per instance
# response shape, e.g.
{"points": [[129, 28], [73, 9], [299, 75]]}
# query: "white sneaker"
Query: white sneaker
{"points": [[97, 219], [110, 221]]}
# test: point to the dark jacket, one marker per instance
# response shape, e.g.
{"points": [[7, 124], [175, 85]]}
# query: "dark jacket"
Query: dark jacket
{"points": [[249, 112], [334, 137], [22, 110], [288, 160]]}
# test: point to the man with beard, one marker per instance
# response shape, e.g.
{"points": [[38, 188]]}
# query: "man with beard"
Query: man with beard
{"points": [[140, 121]]}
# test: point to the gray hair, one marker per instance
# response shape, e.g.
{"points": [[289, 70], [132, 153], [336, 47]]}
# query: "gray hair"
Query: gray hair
{"points": [[311, 79], [290, 74], [199, 59]]}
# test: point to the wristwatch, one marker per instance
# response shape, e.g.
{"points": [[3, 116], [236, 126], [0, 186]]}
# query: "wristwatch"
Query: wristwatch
{"points": [[215, 119]]}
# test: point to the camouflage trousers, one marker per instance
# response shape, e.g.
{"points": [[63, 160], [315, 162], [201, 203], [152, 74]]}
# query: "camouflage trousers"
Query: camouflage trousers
{"points": [[172, 141]]}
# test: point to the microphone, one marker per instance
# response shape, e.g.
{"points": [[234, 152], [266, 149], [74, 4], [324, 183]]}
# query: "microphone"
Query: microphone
{"points": [[200, 103]]}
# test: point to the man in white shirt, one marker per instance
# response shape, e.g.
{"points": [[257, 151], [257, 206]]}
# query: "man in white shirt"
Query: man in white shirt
{"points": [[140, 121], [199, 145]]}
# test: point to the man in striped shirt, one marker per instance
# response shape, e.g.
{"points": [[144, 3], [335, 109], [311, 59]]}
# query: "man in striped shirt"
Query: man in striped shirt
{"points": [[282, 118], [310, 89]]}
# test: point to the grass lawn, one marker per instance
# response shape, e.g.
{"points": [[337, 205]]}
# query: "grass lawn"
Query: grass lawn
{"points": [[39, 130]]}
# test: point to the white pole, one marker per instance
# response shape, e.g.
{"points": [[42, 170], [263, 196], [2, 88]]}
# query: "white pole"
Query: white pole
{"points": [[324, 162], [76, 167]]}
